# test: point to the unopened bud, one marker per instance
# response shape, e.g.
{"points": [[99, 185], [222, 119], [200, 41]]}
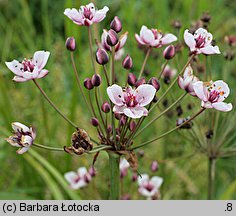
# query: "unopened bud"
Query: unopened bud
{"points": [[116, 24], [96, 80], [117, 116], [169, 52], [109, 129], [132, 79], [141, 81], [127, 62], [132, 125], [101, 56], [70, 43], [122, 120], [94, 122], [106, 107], [155, 83], [134, 177], [92, 171], [112, 38], [154, 166], [88, 83]]}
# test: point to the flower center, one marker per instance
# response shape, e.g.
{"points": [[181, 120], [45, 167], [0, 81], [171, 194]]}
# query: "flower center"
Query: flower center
{"points": [[27, 65], [88, 13], [149, 187], [200, 41], [77, 179], [130, 100]]}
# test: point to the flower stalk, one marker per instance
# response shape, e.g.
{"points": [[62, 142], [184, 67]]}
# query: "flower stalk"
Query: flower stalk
{"points": [[144, 62], [211, 177]]}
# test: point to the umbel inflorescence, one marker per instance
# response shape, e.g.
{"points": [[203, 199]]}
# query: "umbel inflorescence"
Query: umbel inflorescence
{"points": [[119, 119]]}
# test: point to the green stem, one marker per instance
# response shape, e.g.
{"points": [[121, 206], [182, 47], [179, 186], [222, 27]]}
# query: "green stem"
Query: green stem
{"points": [[144, 62], [106, 75], [211, 177], [172, 84], [114, 170], [113, 65], [162, 113], [47, 147], [53, 105], [163, 68], [168, 132], [91, 49]]}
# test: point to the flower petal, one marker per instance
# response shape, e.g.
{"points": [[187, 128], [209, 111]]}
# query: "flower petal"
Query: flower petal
{"points": [[208, 50], [82, 171], [145, 192], [74, 15], [156, 181], [148, 36], [22, 150], [19, 79], [43, 73], [221, 106], [139, 39], [15, 67], [70, 176], [168, 38], [100, 15], [136, 112], [118, 109], [198, 88], [145, 94], [115, 93], [142, 179], [40, 59], [220, 85], [189, 39], [181, 82], [18, 127]]}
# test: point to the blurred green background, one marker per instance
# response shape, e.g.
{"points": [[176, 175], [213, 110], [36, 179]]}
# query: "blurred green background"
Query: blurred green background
{"points": [[27, 26]]}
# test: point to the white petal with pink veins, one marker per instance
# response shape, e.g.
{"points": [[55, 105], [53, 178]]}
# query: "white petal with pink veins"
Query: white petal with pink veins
{"points": [[145, 94], [221, 106], [82, 171], [156, 181], [15, 67], [26, 140], [118, 109], [136, 112], [115, 94], [139, 39], [181, 82], [17, 126], [189, 39], [148, 36], [221, 86], [168, 38], [142, 179], [200, 91], [122, 40], [43, 73], [145, 192], [40, 59], [74, 15], [33, 132], [22, 150], [208, 50], [100, 14], [207, 104], [19, 79], [70, 176]]}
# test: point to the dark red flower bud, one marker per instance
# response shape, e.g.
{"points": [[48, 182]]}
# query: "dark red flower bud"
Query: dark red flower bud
{"points": [[112, 38], [101, 56], [132, 125], [116, 24], [70, 43], [94, 122], [127, 62], [154, 166], [96, 80], [155, 83], [117, 116], [134, 177], [106, 107], [122, 120], [92, 171], [131, 79], [88, 83], [169, 52], [141, 81], [109, 129]]}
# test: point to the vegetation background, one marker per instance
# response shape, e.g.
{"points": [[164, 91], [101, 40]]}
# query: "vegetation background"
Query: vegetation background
{"points": [[30, 25]]}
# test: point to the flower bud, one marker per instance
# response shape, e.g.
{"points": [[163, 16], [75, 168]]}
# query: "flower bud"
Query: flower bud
{"points": [[70, 44], [141, 81], [131, 79], [132, 125], [88, 83], [169, 52], [140, 153], [112, 38], [116, 24], [155, 83], [106, 107], [154, 166], [109, 129], [122, 120], [92, 171], [127, 62], [94, 122], [117, 116], [96, 80], [134, 177], [101, 56]]}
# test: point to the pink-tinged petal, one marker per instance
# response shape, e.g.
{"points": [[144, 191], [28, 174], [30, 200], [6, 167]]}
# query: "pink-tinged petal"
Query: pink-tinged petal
{"points": [[29, 76], [70, 176], [221, 106], [168, 38], [156, 181], [223, 87], [181, 82], [19, 79], [148, 36], [118, 109], [43, 73], [119, 54], [74, 15], [208, 50], [15, 67], [189, 39], [207, 105], [188, 71], [115, 93], [87, 22], [143, 30], [82, 171], [17, 126], [40, 59], [26, 140], [136, 112], [122, 41], [100, 15], [145, 94], [142, 179], [198, 88], [12, 141], [22, 150], [81, 183], [139, 39], [33, 132], [145, 192]]}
